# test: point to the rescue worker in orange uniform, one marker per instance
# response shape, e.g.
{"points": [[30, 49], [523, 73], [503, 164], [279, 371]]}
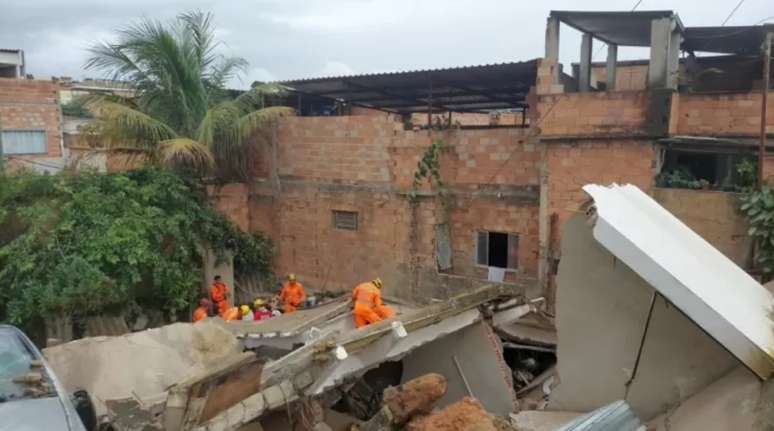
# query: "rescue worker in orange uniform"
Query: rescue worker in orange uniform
{"points": [[202, 310], [219, 295], [292, 294], [368, 303]]}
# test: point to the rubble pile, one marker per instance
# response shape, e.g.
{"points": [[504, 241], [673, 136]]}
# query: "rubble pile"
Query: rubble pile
{"points": [[138, 368]]}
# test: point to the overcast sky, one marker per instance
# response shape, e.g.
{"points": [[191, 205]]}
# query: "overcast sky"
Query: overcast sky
{"points": [[285, 39]]}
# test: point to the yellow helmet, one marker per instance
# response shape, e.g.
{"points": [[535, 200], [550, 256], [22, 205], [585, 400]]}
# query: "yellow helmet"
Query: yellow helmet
{"points": [[291, 277], [245, 310], [259, 303], [377, 282]]}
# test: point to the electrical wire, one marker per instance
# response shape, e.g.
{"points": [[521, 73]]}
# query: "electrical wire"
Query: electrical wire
{"points": [[733, 11]]}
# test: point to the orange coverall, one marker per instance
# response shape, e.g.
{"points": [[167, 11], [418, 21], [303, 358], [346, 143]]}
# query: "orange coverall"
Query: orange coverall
{"points": [[199, 314], [230, 313], [219, 294], [368, 305], [292, 295]]}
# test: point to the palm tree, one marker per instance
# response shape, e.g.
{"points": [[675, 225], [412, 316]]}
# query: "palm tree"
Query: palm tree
{"points": [[181, 116]]}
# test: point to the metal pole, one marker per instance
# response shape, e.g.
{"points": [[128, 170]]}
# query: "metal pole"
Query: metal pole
{"points": [[764, 106], [2, 156], [430, 106]]}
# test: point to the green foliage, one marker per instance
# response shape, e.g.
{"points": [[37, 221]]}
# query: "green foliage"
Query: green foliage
{"points": [[680, 178], [90, 243], [746, 175], [758, 208], [76, 108], [181, 116], [429, 167]]}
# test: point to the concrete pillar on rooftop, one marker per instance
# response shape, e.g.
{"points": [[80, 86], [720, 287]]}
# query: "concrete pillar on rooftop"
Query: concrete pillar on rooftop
{"points": [[612, 59], [673, 60], [665, 41], [552, 44], [584, 77]]}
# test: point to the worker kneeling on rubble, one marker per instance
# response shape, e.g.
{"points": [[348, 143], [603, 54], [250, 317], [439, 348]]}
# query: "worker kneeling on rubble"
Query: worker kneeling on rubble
{"points": [[292, 294], [368, 303]]}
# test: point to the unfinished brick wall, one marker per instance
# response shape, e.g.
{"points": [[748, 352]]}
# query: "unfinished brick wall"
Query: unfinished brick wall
{"points": [[628, 77], [348, 148], [232, 201], [593, 113], [572, 165], [366, 164], [721, 114], [32, 105]]}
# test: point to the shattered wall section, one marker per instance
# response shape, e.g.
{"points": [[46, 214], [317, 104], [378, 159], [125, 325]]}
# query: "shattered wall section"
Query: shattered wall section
{"points": [[141, 365], [470, 358], [602, 307]]}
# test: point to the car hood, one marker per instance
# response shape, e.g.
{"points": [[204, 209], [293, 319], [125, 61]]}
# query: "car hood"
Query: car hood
{"points": [[36, 414]]}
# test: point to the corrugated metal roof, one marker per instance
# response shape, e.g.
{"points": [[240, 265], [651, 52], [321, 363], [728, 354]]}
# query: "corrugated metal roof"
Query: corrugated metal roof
{"points": [[616, 416], [704, 284], [742, 40], [469, 88]]}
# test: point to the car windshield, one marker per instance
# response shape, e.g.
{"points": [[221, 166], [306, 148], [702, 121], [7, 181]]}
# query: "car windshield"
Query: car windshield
{"points": [[21, 374]]}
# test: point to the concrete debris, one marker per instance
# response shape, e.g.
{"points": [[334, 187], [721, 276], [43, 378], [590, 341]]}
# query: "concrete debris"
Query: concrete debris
{"points": [[139, 366], [735, 402]]}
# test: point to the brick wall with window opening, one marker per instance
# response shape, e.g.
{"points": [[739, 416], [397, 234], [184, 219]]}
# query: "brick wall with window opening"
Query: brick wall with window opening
{"points": [[346, 220], [497, 249]]}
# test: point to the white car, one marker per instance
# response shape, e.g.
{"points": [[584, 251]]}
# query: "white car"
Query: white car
{"points": [[31, 397]]}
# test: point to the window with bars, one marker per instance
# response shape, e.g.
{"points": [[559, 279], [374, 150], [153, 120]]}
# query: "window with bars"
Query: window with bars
{"points": [[346, 220], [496, 249], [24, 142]]}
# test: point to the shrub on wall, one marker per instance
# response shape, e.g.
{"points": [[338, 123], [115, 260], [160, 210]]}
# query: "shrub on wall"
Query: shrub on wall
{"points": [[758, 208], [86, 244]]}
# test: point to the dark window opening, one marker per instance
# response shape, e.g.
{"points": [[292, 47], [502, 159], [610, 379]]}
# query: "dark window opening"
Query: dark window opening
{"points": [[346, 220], [497, 249], [697, 169]]}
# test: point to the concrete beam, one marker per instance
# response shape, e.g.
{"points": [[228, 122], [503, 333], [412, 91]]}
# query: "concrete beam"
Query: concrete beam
{"points": [[612, 59], [584, 77]]}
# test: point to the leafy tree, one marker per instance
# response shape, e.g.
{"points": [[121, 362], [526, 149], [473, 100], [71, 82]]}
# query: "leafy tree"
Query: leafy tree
{"points": [[181, 116], [86, 244]]}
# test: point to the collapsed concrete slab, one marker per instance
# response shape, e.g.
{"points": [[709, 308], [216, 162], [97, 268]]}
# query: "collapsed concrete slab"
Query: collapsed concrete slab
{"points": [[632, 265], [137, 369], [734, 402], [689, 272], [335, 358]]}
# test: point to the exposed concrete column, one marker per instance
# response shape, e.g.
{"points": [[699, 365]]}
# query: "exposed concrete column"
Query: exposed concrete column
{"points": [[584, 77], [673, 60], [552, 44], [660, 40], [612, 59]]}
